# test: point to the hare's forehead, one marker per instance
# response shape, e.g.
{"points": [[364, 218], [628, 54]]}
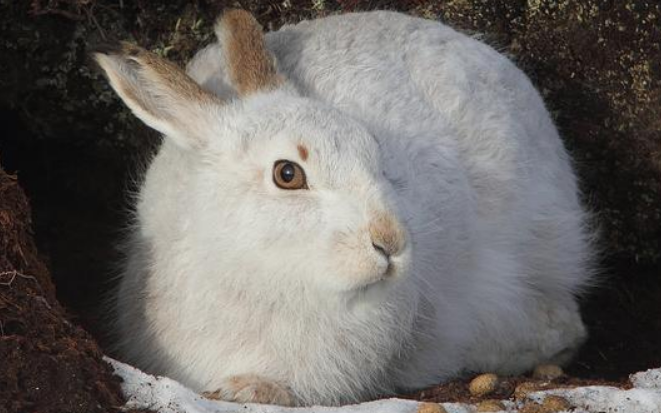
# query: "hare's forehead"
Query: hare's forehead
{"points": [[312, 133]]}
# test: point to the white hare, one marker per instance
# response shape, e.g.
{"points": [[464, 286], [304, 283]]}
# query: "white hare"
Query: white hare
{"points": [[346, 208]]}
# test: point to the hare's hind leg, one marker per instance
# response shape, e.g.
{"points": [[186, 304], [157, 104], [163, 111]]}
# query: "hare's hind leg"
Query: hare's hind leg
{"points": [[562, 331], [250, 388], [556, 332], [550, 332]]}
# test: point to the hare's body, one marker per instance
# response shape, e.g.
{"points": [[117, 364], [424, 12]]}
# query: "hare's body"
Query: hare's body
{"points": [[477, 175]]}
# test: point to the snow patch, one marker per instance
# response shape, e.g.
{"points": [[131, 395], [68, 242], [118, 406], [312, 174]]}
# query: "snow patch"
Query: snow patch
{"points": [[650, 379], [164, 395]]}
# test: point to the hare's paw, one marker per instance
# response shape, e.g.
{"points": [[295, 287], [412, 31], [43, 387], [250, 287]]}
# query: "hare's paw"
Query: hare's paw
{"points": [[250, 388]]}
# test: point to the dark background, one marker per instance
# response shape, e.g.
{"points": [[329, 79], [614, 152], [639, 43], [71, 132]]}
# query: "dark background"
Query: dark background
{"points": [[77, 151]]}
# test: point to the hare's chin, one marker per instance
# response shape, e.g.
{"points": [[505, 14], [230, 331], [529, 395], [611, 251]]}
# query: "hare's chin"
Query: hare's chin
{"points": [[373, 285], [382, 282], [373, 292]]}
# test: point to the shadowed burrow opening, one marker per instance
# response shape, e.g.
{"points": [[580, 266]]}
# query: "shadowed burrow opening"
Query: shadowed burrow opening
{"points": [[78, 191]]}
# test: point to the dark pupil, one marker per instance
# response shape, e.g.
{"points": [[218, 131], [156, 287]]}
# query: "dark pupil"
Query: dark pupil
{"points": [[287, 172]]}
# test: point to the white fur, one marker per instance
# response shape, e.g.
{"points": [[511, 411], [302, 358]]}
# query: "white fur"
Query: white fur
{"points": [[229, 275]]}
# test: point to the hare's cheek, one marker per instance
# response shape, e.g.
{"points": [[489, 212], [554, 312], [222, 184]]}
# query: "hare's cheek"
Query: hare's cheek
{"points": [[352, 262]]}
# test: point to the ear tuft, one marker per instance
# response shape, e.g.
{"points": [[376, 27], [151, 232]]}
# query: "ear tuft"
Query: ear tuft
{"points": [[250, 65], [119, 50]]}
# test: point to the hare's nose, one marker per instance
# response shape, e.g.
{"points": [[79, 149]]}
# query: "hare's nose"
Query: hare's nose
{"points": [[381, 250], [386, 234]]}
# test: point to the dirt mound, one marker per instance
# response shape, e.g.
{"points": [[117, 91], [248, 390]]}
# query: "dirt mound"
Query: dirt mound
{"points": [[48, 363]]}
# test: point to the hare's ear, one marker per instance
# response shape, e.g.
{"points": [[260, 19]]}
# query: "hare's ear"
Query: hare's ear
{"points": [[250, 66], [159, 93]]}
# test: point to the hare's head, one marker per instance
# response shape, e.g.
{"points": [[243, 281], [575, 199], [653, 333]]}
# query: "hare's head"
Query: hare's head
{"points": [[287, 190]]}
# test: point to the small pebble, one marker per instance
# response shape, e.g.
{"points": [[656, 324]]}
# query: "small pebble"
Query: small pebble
{"points": [[547, 372], [483, 384], [524, 389], [490, 406], [431, 408], [553, 404]]}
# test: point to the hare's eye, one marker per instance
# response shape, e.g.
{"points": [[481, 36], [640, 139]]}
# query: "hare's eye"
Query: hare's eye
{"points": [[289, 175]]}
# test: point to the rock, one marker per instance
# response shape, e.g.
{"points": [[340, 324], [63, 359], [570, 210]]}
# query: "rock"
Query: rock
{"points": [[483, 384], [547, 372]]}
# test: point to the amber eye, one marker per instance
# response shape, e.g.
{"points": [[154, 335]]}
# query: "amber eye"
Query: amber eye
{"points": [[289, 175]]}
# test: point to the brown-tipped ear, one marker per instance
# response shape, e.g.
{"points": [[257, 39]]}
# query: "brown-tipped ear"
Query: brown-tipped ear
{"points": [[250, 66], [158, 92]]}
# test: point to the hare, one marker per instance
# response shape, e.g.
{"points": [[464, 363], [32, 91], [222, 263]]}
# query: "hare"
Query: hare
{"points": [[346, 208]]}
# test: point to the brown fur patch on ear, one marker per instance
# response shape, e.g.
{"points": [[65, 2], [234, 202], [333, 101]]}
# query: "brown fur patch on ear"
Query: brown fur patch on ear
{"points": [[159, 93], [162, 71], [250, 65], [303, 151]]}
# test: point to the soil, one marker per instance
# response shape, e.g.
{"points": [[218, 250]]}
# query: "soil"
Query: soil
{"points": [[48, 363]]}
